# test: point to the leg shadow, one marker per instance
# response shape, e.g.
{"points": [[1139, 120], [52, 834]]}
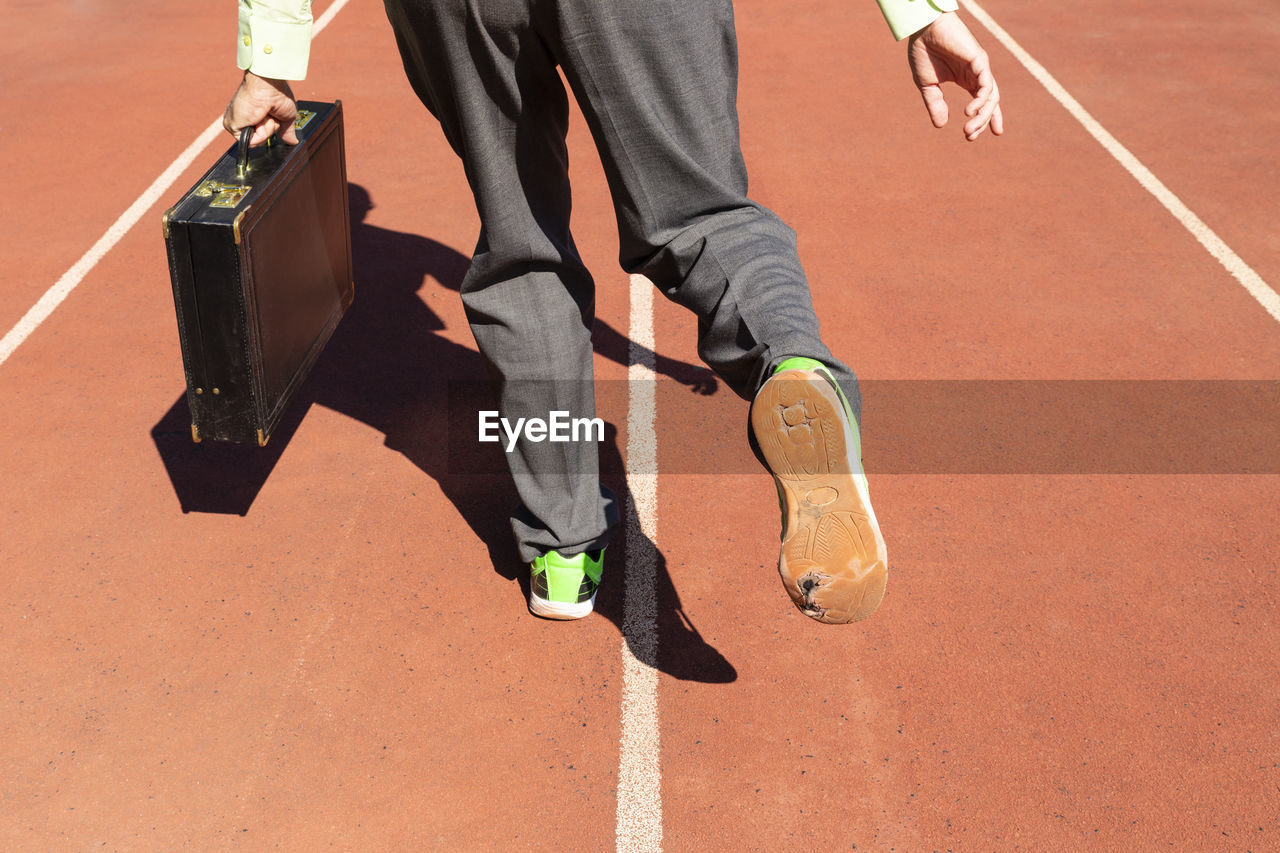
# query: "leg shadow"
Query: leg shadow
{"points": [[387, 367]]}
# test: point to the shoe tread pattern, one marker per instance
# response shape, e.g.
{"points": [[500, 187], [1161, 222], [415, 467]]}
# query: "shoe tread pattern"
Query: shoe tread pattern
{"points": [[832, 562]]}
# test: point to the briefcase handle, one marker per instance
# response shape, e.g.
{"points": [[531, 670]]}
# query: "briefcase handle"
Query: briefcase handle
{"points": [[242, 151]]}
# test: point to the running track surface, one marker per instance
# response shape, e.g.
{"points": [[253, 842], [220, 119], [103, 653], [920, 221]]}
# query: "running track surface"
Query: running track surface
{"points": [[324, 644]]}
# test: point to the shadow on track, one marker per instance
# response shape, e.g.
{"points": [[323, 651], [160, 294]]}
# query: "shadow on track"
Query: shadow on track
{"points": [[385, 367]]}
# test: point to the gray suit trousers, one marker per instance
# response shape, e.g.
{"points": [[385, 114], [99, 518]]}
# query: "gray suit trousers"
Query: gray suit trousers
{"points": [[657, 82]]}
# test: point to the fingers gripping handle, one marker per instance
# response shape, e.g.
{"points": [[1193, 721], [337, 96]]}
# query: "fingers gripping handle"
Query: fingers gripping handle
{"points": [[242, 152]]}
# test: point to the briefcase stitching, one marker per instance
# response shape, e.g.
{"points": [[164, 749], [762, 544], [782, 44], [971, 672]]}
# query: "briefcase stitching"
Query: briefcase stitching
{"points": [[185, 329]]}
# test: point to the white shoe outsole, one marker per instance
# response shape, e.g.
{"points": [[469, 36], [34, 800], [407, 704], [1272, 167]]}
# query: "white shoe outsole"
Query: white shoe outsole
{"points": [[560, 609]]}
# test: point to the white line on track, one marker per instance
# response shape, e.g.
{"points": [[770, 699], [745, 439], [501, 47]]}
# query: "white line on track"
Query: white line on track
{"points": [[639, 775], [1243, 273], [639, 816], [61, 289]]}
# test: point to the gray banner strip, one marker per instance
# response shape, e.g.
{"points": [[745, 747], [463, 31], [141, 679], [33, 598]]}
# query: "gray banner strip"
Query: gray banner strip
{"points": [[953, 427]]}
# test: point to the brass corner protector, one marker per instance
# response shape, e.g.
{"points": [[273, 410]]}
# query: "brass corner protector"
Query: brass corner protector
{"points": [[195, 434], [164, 221], [262, 439], [235, 224]]}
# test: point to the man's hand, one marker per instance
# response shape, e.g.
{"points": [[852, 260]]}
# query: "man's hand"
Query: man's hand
{"points": [[946, 52], [264, 104]]}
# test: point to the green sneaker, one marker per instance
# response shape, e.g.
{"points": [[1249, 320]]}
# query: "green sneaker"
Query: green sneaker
{"points": [[565, 587], [833, 563]]}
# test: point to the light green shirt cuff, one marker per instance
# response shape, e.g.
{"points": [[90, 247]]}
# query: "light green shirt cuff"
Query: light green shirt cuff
{"points": [[907, 17], [275, 38]]}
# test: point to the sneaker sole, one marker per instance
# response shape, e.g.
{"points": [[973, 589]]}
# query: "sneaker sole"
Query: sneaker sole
{"points": [[562, 610], [833, 562]]}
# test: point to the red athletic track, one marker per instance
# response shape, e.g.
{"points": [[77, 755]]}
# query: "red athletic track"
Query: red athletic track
{"points": [[1062, 662]]}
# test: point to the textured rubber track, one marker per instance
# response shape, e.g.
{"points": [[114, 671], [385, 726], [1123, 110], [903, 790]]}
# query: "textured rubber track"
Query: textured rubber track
{"points": [[833, 561]]}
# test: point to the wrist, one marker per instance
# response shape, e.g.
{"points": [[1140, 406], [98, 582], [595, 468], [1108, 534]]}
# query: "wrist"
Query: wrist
{"points": [[257, 81], [920, 33], [908, 17], [266, 90]]}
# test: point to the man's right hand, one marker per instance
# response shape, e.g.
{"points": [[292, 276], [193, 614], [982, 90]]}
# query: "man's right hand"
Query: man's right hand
{"points": [[264, 104], [946, 52]]}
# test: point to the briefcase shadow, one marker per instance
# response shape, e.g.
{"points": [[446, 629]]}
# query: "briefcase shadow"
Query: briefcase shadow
{"points": [[381, 367], [218, 476]]}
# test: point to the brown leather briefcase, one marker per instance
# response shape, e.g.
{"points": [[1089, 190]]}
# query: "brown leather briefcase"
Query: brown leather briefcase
{"points": [[260, 260]]}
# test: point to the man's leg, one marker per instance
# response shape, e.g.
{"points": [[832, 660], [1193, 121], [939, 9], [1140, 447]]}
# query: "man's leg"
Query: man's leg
{"points": [[489, 79], [658, 84]]}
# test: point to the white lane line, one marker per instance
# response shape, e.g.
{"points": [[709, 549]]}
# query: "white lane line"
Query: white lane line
{"points": [[329, 14], [1243, 273], [639, 774], [61, 289]]}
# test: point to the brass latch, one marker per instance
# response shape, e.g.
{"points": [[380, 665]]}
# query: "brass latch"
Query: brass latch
{"points": [[223, 195]]}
